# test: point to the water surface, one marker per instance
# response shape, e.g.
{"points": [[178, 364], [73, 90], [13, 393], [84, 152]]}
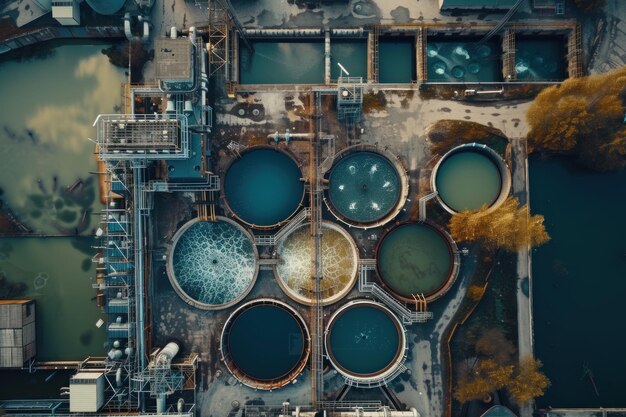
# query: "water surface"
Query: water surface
{"points": [[463, 60], [58, 274], [266, 342], [364, 340], [396, 60], [284, 62], [352, 54], [364, 186], [414, 259], [578, 283], [51, 104], [214, 262], [540, 59], [467, 180], [338, 265], [263, 187]]}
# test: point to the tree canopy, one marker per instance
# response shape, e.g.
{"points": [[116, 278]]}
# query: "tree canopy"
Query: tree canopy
{"points": [[509, 226], [528, 382], [584, 117], [495, 367]]}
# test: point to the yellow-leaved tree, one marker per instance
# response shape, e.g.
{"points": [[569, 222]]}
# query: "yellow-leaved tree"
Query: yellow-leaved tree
{"points": [[509, 226], [528, 382]]}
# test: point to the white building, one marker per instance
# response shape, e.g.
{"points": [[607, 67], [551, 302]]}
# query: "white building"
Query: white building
{"points": [[66, 12]]}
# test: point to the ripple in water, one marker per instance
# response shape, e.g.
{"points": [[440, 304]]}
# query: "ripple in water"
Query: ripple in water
{"points": [[364, 186], [214, 263]]}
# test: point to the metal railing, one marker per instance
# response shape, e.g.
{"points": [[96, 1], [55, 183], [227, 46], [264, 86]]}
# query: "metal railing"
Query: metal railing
{"points": [[408, 316], [271, 240]]}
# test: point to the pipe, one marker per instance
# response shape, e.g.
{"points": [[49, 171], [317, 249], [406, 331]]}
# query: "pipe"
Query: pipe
{"points": [[192, 35], [173, 32], [327, 57], [127, 31], [166, 354], [118, 377], [145, 36], [160, 403], [204, 83]]}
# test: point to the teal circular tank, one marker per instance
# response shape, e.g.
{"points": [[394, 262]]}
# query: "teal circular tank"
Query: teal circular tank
{"points": [[468, 179], [364, 341], [212, 264], [265, 344], [364, 187], [263, 187], [106, 6], [416, 258]]}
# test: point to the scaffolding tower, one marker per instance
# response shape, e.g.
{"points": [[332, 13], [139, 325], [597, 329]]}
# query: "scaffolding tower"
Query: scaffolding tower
{"points": [[349, 99]]}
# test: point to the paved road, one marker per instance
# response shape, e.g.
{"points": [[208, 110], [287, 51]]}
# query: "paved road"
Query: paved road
{"points": [[524, 302]]}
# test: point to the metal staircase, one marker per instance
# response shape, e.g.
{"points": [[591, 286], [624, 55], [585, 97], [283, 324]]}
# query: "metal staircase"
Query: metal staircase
{"points": [[365, 285]]}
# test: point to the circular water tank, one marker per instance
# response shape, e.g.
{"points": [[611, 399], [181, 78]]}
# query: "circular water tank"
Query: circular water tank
{"points": [[105, 6]]}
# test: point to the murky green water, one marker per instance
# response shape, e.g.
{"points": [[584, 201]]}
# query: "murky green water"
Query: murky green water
{"points": [[414, 259], [352, 54], [364, 340], [578, 283], [463, 60], [396, 60], [285, 62], [540, 59], [58, 274], [50, 106], [467, 180]]}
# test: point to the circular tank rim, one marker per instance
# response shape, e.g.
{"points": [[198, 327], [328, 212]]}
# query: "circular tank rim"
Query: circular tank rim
{"points": [[505, 173], [253, 382], [333, 299], [453, 271], [402, 176], [174, 281], [233, 213], [374, 379]]}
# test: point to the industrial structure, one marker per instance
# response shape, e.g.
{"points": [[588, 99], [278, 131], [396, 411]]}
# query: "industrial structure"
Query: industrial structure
{"points": [[17, 333], [164, 148]]}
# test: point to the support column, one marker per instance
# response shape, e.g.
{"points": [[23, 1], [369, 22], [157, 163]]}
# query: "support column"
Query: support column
{"points": [[327, 57]]}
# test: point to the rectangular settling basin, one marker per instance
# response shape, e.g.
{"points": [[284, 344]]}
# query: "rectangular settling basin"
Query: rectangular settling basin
{"points": [[352, 54], [396, 60], [282, 62], [463, 60], [540, 58]]}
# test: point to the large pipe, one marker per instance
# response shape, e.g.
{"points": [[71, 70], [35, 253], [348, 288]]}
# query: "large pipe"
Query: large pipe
{"points": [[160, 403], [166, 354], [127, 31], [146, 30], [118, 377]]}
